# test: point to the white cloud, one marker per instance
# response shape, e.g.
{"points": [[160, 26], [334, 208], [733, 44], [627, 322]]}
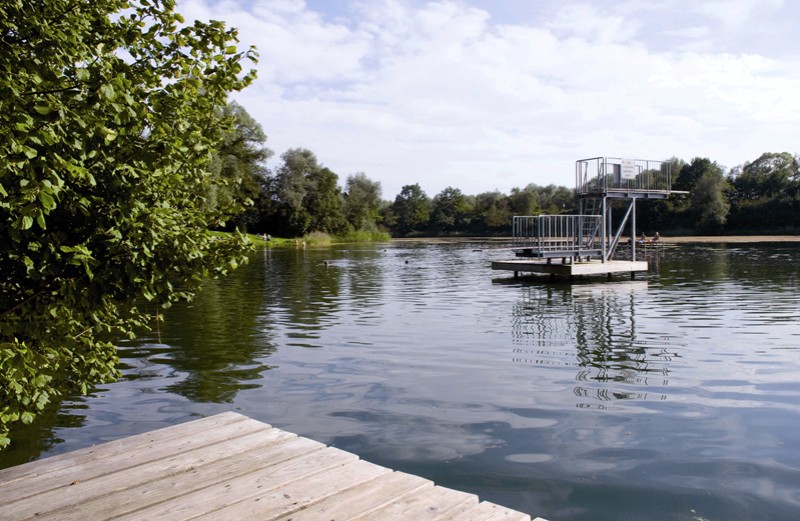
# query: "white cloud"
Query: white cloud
{"points": [[593, 24], [438, 93], [736, 14]]}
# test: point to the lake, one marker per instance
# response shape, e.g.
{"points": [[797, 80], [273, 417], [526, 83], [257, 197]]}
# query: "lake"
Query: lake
{"points": [[674, 396]]}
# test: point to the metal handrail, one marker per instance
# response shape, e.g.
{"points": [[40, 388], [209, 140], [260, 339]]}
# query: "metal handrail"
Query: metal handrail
{"points": [[542, 234], [614, 174]]}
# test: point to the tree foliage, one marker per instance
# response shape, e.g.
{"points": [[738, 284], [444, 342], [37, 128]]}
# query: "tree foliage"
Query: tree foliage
{"points": [[708, 196], [238, 165], [771, 175], [411, 209], [109, 113], [323, 202], [304, 196], [449, 211], [362, 202], [492, 209]]}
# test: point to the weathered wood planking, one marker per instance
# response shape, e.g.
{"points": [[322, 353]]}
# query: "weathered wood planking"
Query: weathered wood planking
{"points": [[227, 467]]}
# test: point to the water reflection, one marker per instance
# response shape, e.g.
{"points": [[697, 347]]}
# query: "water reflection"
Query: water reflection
{"points": [[42, 435], [593, 327], [214, 345]]}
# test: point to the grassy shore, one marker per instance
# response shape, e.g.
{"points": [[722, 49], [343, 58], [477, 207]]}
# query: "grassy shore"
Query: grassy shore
{"points": [[317, 239], [736, 239], [314, 241]]}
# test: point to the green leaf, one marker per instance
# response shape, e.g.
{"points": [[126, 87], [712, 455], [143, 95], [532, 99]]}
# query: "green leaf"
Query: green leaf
{"points": [[41, 380], [43, 109], [47, 200], [107, 91]]}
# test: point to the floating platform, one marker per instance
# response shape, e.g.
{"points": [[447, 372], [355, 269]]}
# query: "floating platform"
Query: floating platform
{"points": [[570, 269], [227, 467]]}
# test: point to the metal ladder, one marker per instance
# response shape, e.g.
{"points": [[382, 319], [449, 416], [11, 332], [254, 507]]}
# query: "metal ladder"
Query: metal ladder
{"points": [[590, 229]]}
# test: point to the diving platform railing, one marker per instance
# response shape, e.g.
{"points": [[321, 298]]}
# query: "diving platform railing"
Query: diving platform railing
{"points": [[617, 177], [586, 243], [550, 236]]}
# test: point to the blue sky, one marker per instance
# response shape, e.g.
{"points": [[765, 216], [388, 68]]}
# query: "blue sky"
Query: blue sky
{"points": [[490, 95]]}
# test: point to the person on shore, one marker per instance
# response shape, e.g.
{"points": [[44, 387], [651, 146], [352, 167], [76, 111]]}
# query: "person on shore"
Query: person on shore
{"points": [[656, 237]]}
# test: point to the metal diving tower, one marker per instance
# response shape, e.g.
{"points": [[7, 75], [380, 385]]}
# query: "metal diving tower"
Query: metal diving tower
{"points": [[590, 238]]}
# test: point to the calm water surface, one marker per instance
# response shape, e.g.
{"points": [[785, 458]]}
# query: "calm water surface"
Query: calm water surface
{"points": [[671, 397]]}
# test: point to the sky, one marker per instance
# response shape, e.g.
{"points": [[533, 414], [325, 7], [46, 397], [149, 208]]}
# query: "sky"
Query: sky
{"points": [[485, 95]]}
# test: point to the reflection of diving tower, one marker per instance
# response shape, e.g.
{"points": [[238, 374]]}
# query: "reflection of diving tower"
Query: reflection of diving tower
{"points": [[586, 242]]}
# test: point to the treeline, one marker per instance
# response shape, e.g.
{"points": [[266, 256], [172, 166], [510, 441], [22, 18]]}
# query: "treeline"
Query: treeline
{"points": [[760, 196], [301, 196]]}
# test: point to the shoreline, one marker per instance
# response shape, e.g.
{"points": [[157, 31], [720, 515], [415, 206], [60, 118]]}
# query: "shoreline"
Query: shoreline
{"points": [[735, 239], [697, 239]]}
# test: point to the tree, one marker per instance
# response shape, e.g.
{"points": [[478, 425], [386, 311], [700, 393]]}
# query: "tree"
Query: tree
{"points": [[524, 201], [771, 175], [109, 113], [305, 196], [411, 209], [708, 201], [323, 202], [492, 209], [290, 187], [555, 199], [690, 174], [362, 201], [238, 164], [450, 210]]}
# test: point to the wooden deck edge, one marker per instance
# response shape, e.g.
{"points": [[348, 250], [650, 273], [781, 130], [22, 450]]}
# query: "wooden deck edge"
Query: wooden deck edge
{"points": [[36, 469], [571, 269], [240, 469]]}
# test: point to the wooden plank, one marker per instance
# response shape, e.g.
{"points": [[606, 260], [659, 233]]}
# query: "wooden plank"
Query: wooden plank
{"points": [[295, 499], [430, 504], [192, 483], [35, 469], [89, 465], [76, 490], [258, 482], [228, 467], [361, 500], [486, 511]]}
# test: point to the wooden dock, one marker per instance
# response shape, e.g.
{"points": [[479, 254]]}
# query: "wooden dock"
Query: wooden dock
{"points": [[227, 467], [570, 269]]}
